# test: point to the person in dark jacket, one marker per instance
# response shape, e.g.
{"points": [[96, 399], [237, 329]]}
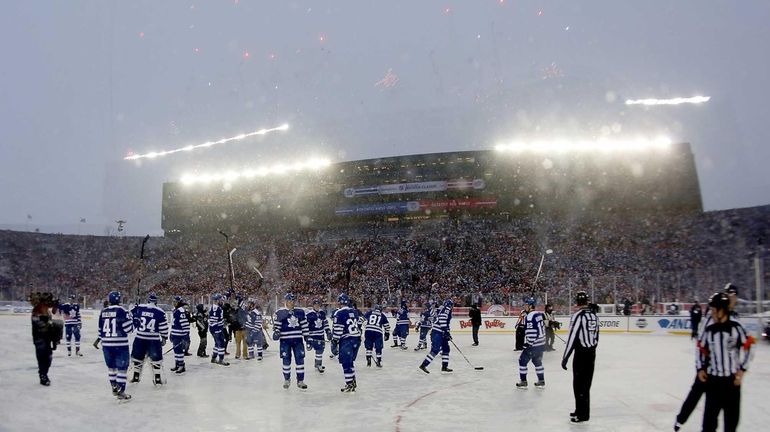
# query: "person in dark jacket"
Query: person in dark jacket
{"points": [[520, 331], [202, 325], [475, 315], [696, 313], [46, 332]]}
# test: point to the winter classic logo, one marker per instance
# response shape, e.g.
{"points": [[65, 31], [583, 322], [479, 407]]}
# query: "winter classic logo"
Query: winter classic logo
{"points": [[641, 323]]}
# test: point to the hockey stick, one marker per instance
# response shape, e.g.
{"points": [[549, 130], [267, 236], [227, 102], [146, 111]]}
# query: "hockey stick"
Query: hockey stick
{"points": [[258, 272], [229, 258], [554, 333], [172, 348], [466, 358], [141, 267]]}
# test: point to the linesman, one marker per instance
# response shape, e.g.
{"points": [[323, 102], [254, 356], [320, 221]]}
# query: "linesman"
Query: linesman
{"points": [[583, 339], [721, 366]]}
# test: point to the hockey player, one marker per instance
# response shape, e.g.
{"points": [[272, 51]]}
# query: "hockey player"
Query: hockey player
{"points": [[534, 345], [290, 327], [346, 340], [253, 328], [115, 323], [377, 327], [217, 329], [318, 328], [151, 333], [72, 324], [180, 334], [402, 326], [425, 323], [721, 366], [440, 337], [202, 324]]}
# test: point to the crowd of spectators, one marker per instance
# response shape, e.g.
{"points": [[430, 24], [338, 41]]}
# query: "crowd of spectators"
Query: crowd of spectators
{"points": [[639, 258]]}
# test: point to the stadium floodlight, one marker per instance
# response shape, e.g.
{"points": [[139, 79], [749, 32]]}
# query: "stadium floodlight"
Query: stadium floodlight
{"points": [[673, 101], [153, 155], [313, 164], [603, 145]]}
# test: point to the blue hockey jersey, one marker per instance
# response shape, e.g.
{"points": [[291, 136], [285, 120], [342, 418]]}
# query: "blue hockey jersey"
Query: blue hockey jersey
{"points": [[150, 322], [216, 319], [426, 318], [376, 322], [291, 322], [443, 318], [115, 323], [534, 325], [346, 323], [254, 321], [403, 317], [318, 326], [180, 325], [71, 312]]}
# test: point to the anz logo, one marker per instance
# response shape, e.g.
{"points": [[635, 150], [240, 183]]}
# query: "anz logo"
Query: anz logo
{"points": [[675, 324]]}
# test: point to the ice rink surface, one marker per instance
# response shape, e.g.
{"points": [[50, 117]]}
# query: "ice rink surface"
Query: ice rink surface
{"points": [[639, 384]]}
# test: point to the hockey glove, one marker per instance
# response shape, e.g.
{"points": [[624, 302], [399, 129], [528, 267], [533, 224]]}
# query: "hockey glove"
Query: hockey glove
{"points": [[328, 335], [564, 364], [448, 336], [80, 326], [335, 347], [163, 341], [308, 345], [526, 345], [276, 334], [387, 336]]}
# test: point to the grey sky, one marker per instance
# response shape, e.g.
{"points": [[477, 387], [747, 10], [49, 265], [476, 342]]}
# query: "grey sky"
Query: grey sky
{"points": [[83, 82]]}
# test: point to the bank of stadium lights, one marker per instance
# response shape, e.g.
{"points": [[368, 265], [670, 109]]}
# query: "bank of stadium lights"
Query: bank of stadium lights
{"points": [[597, 146], [674, 101], [314, 164], [153, 155]]}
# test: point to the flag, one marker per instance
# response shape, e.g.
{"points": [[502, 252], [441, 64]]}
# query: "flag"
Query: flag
{"points": [[82, 220]]}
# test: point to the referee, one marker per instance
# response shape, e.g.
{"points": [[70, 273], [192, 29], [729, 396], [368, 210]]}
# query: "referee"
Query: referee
{"points": [[721, 366], [583, 338], [699, 387]]}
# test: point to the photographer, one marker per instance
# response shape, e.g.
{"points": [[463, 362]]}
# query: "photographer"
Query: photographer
{"points": [[551, 325], [46, 332]]}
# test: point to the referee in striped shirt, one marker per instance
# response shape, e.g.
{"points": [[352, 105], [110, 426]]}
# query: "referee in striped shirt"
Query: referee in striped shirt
{"points": [[724, 350], [583, 338]]}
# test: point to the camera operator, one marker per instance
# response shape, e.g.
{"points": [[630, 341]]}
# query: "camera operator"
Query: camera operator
{"points": [[551, 325], [46, 332]]}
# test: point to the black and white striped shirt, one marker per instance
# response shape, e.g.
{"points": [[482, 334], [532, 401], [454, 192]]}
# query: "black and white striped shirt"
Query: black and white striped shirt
{"points": [[723, 349], [583, 331]]}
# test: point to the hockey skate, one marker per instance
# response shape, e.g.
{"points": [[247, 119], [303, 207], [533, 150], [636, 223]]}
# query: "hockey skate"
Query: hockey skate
{"points": [[158, 380], [446, 369], [286, 384], [404, 347], [540, 384], [521, 385], [378, 363], [223, 363], [424, 369], [320, 369], [349, 387], [302, 385], [368, 361], [77, 353], [135, 378], [44, 380], [213, 358], [123, 396], [180, 370]]}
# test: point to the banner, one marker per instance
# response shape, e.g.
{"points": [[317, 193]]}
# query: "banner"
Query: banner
{"points": [[401, 207], [417, 187]]}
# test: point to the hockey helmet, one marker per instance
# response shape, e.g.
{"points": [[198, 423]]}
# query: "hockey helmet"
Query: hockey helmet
{"points": [[731, 289], [343, 299], [720, 300], [152, 298], [581, 298], [290, 297], [114, 297]]}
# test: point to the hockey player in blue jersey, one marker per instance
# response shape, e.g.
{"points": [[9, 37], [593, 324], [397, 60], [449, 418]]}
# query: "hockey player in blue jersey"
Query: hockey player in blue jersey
{"points": [[217, 329], [440, 337], [402, 326], [377, 328], [72, 324], [290, 327], [151, 333], [425, 323], [115, 323], [180, 334], [318, 329], [534, 345], [254, 334], [346, 339]]}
